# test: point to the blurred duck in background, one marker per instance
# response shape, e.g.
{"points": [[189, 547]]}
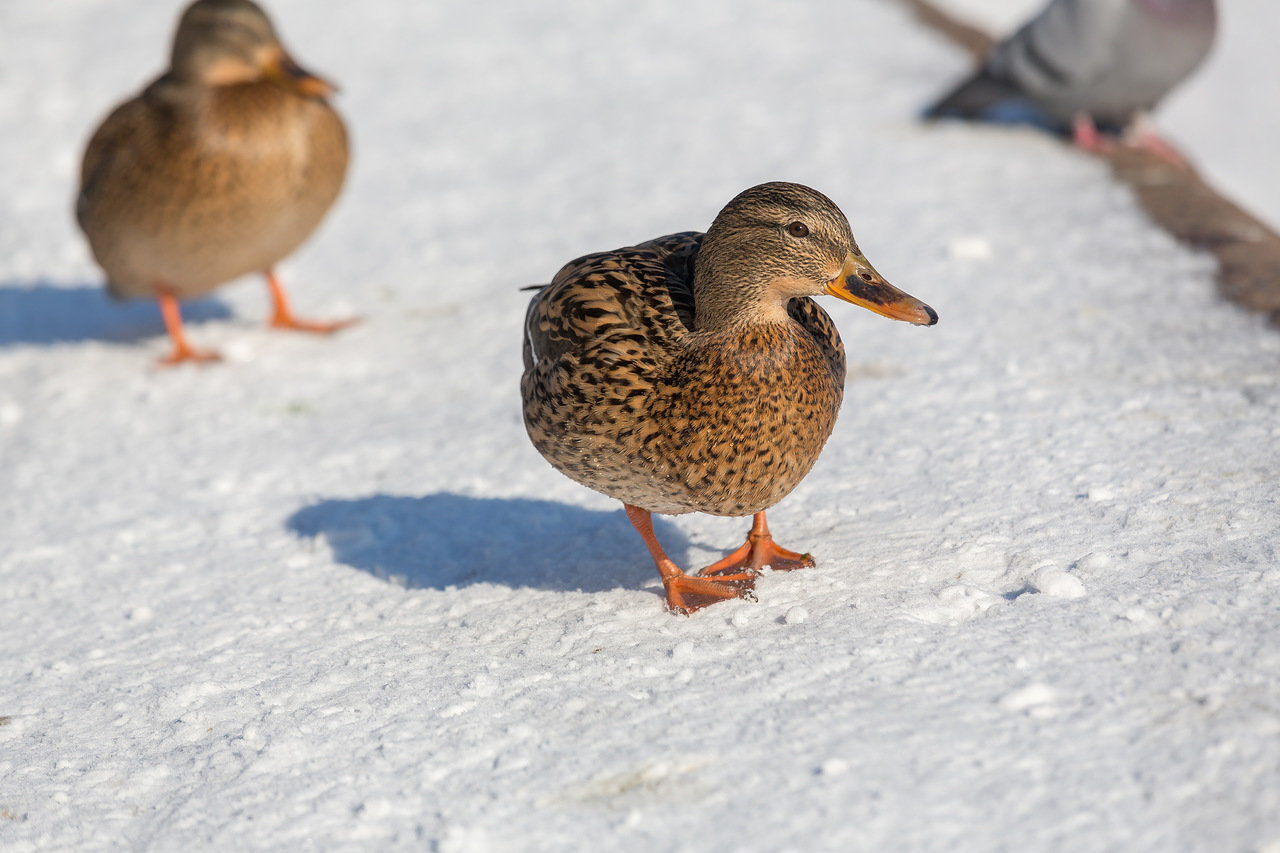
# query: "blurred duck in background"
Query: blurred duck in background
{"points": [[222, 166], [1091, 69]]}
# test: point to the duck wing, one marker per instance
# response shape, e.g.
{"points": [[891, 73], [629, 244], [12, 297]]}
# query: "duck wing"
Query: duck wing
{"points": [[627, 307], [818, 323]]}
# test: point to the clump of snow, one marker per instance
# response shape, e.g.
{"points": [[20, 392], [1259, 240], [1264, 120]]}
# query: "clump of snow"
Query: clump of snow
{"points": [[957, 603], [834, 767], [796, 615], [1056, 583], [1031, 698], [141, 614]]}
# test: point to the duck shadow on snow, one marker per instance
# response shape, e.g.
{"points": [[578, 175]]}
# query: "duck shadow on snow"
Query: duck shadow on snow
{"points": [[45, 313], [443, 540]]}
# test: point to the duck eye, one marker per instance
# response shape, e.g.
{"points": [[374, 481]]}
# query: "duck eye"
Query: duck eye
{"points": [[798, 229]]}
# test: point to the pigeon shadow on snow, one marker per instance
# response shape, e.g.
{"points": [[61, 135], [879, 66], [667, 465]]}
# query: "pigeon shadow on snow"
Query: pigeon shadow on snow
{"points": [[443, 540], [44, 313]]}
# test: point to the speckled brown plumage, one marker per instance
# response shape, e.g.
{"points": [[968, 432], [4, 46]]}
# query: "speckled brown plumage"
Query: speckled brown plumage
{"points": [[222, 166], [693, 373], [647, 411]]}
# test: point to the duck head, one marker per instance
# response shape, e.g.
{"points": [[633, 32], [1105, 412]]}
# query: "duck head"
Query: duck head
{"points": [[225, 42], [778, 241]]}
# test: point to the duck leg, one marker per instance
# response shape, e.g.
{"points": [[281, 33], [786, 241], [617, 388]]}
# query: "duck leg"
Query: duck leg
{"points": [[283, 317], [757, 552], [686, 594], [182, 349]]}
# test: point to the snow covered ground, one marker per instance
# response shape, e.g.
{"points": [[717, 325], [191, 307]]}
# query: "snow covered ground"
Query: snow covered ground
{"points": [[326, 595]]}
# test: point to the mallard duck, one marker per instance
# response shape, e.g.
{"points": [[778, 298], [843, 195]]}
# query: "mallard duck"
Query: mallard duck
{"points": [[694, 373], [1091, 68], [220, 167]]}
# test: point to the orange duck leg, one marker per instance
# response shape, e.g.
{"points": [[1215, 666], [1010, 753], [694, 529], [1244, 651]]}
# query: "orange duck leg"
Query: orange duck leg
{"points": [[758, 552], [182, 348], [686, 593], [282, 316]]}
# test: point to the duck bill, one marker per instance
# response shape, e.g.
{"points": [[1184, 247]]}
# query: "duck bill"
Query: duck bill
{"points": [[859, 283], [283, 70]]}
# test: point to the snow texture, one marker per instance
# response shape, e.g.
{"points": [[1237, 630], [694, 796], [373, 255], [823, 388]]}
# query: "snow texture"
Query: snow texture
{"points": [[325, 595]]}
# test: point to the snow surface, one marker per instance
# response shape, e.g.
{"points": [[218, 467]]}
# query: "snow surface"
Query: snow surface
{"points": [[326, 595]]}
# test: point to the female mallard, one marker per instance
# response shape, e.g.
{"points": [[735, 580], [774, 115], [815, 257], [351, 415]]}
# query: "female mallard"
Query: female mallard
{"points": [[221, 167], [693, 373]]}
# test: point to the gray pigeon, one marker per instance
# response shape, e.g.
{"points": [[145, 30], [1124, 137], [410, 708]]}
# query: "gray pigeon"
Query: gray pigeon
{"points": [[1104, 60]]}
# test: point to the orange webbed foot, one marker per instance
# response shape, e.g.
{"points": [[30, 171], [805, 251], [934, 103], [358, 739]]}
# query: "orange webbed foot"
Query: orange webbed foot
{"points": [[686, 594], [282, 316], [759, 552], [319, 327], [183, 353]]}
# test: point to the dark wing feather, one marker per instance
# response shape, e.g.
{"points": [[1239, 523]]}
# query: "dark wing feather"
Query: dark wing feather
{"points": [[635, 297], [679, 266], [822, 328]]}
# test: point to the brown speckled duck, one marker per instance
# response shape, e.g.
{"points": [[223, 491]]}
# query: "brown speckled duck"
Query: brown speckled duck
{"points": [[221, 167], [693, 373]]}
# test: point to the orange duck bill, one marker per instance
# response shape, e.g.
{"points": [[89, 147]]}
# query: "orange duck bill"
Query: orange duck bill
{"points": [[281, 69], [859, 283]]}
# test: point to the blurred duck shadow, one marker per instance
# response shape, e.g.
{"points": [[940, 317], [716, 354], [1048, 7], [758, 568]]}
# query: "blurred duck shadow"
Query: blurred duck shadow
{"points": [[45, 313], [443, 540]]}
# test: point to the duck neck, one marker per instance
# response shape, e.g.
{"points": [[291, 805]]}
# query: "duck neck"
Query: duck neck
{"points": [[728, 297]]}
